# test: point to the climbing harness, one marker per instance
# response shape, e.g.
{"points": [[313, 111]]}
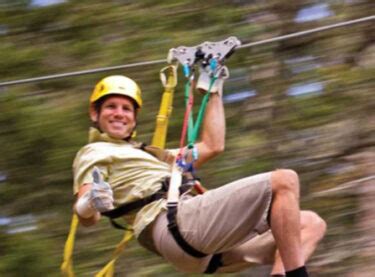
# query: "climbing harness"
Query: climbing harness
{"points": [[136, 205]]}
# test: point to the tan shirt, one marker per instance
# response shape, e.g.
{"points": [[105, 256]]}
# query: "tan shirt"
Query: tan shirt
{"points": [[132, 173]]}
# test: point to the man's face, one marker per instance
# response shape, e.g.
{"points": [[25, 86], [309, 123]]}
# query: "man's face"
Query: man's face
{"points": [[116, 116]]}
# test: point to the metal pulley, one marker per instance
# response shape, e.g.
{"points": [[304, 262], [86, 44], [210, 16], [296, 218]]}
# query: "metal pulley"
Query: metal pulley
{"points": [[204, 51], [207, 53]]}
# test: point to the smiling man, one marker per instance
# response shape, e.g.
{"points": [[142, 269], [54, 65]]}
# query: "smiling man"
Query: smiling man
{"points": [[115, 117], [115, 113], [254, 220]]}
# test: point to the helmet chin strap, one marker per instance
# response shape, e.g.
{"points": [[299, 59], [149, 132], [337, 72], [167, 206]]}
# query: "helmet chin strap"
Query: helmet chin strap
{"points": [[96, 126], [132, 133]]}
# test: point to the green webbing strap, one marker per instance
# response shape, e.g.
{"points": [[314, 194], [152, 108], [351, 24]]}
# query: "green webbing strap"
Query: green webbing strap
{"points": [[191, 120], [193, 129]]}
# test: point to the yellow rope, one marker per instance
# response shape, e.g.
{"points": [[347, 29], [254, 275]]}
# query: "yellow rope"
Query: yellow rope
{"points": [[109, 269], [67, 265]]}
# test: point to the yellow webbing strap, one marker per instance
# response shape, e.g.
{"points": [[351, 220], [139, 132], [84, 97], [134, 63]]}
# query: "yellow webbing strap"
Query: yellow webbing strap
{"points": [[67, 265], [109, 269], [168, 76]]}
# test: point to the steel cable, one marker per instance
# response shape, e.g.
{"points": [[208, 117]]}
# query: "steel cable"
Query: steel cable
{"points": [[146, 63]]}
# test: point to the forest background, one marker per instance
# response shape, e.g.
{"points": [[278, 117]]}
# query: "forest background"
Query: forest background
{"points": [[305, 103]]}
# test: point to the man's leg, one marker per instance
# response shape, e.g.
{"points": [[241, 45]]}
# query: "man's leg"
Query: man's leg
{"points": [[217, 221], [285, 218], [313, 228]]}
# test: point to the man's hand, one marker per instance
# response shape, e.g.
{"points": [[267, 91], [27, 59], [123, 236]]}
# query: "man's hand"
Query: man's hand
{"points": [[97, 198], [206, 75], [101, 193]]}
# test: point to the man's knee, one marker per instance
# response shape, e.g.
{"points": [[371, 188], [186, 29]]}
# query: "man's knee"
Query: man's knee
{"points": [[285, 180], [312, 222]]}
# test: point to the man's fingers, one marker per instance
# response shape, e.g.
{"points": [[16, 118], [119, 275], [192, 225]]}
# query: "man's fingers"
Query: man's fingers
{"points": [[103, 204], [96, 175]]}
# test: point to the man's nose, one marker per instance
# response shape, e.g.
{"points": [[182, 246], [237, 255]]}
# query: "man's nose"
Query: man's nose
{"points": [[119, 112]]}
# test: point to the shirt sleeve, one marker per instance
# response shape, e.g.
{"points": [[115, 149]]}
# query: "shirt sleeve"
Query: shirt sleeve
{"points": [[85, 161]]}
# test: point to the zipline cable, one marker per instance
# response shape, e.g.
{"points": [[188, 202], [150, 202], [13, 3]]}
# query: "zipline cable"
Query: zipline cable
{"points": [[78, 73], [307, 32], [251, 44]]}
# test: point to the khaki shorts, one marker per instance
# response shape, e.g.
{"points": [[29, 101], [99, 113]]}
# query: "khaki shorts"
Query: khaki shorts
{"points": [[231, 220]]}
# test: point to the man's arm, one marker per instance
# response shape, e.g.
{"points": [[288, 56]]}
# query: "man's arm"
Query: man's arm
{"points": [[87, 215], [93, 199], [213, 130]]}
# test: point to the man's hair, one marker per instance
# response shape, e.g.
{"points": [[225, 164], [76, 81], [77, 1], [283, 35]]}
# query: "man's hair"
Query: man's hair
{"points": [[98, 104]]}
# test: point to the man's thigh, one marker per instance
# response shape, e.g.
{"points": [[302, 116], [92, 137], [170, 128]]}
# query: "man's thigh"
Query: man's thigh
{"points": [[226, 217], [259, 250]]}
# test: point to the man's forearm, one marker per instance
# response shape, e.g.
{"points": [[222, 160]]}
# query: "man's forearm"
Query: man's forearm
{"points": [[213, 131], [83, 209]]}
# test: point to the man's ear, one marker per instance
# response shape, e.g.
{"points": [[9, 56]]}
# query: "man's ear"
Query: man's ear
{"points": [[94, 116]]}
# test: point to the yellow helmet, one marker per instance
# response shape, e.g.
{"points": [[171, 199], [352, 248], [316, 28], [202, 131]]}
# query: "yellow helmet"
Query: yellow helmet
{"points": [[117, 84]]}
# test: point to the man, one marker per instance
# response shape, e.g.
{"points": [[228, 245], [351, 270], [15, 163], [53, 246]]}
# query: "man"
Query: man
{"points": [[255, 220]]}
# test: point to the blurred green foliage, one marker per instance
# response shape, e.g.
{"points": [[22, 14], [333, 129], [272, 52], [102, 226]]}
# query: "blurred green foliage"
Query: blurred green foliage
{"points": [[42, 125]]}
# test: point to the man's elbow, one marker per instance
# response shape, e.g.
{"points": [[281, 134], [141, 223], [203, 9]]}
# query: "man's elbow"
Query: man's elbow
{"points": [[207, 152], [217, 149], [88, 218], [220, 149], [87, 222]]}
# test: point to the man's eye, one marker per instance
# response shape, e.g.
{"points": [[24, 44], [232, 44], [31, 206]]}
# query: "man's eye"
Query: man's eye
{"points": [[111, 106], [127, 108]]}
